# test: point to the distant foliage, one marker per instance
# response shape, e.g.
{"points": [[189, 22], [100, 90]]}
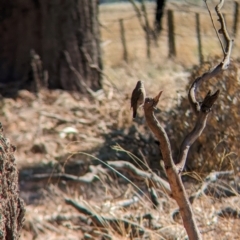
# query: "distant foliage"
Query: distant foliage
{"points": [[218, 148]]}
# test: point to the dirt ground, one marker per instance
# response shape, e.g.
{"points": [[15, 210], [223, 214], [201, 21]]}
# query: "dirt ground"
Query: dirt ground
{"points": [[58, 132], [54, 132]]}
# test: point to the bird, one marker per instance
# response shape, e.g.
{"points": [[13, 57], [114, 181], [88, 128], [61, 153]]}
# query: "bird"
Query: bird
{"points": [[138, 97]]}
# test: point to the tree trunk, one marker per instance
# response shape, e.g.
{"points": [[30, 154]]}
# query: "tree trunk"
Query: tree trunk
{"points": [[12, 207], [159, 14], [65, 34]]}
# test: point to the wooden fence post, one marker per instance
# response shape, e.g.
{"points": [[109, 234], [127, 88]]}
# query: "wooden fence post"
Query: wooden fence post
{"points": [[235, 20], [171, 37], [123, 39], [198, 30]]}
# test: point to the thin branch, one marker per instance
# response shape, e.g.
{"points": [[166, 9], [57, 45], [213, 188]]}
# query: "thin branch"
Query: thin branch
{"points": [[140, 174], [202, 109], [89, 177], [217, 33], [223, 30], [212, 178], [105, 222], [178, 190], [158, 130], [200, 124]]}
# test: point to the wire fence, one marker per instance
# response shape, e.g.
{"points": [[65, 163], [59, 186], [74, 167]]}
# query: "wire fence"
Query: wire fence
{"points": [[187, 33]]}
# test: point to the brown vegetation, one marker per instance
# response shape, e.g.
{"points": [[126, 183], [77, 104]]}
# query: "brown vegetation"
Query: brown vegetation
{"points": [[59, 166]]}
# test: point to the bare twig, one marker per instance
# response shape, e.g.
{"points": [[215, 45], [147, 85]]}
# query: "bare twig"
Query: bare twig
{"points": [[202, 109], [178, 190], [116, 223], [140, 174], [217, 33], [89, 177], [200, 124], [212, 178], [223, 30]]}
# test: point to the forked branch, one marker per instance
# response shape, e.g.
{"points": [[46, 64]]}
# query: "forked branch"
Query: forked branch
{"points": [[178, 190], [202, 110]]}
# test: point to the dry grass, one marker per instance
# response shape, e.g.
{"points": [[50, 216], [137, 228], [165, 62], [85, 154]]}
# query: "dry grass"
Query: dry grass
{"points": [[185, 30], [106, 121]]}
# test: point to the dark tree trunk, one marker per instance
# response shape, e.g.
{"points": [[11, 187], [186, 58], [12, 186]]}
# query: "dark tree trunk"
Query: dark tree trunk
{"points": [[64, 33], [12, 208], [159, 14]]}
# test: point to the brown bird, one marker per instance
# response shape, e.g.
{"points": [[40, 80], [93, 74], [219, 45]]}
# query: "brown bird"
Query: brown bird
{"points": [[138, 97]]}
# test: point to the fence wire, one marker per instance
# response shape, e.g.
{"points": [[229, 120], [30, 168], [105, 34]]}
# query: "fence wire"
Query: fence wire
{"points": [[186, 37]]}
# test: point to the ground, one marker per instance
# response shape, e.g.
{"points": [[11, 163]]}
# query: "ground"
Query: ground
{"points": [[61, 132]]}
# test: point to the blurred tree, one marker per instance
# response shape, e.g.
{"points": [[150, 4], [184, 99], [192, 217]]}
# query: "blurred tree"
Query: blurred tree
{"points": [[60, 37], [159, 14]]}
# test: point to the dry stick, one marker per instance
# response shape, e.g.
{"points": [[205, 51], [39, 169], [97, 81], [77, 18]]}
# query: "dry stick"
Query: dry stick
{"points": [[214, 25], [223, 30], [178, 190], [105, 222], [202, 109], [140, 174], [212, 177], [89, 177], [197, 130]]}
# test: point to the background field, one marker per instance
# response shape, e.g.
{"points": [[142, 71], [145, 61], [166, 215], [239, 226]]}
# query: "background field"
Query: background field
{"points": [[185, 31], [37, 126]]}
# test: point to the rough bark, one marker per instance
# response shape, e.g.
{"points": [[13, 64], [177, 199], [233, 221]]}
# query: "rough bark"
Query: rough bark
{"points": [[11, 207], [65, 34]]}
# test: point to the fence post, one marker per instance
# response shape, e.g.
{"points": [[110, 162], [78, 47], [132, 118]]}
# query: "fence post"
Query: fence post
{"points": [[235, 20], [123, 39], [171, 37], [198, 30]]}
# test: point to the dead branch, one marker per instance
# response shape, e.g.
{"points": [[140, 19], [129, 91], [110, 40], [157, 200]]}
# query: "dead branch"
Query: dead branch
{"points": [[212, 185], [89, 177], [200, 124], [202, 109], [124, 203], [154, 197], [140, 174], [178, 190], [229, 212], [105, 222]]}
